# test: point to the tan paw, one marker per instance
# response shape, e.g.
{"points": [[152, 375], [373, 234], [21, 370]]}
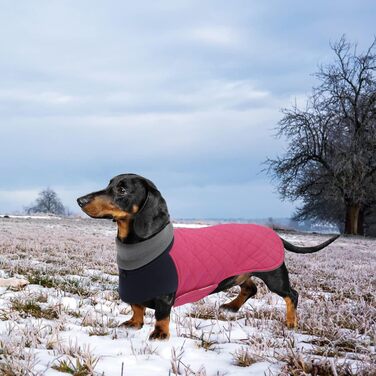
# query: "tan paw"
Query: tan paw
{"points": [[292, 324], [158, 334], [132, 324]]}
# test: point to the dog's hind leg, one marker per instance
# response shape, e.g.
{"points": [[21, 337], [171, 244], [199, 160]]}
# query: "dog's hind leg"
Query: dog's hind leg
{"points": [[278, 281], [247, 290]]}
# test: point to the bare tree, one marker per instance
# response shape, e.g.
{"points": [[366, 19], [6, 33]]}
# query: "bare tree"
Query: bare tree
{"points": [[322, 209], [47, 202], [332, 145], [331, 208]]}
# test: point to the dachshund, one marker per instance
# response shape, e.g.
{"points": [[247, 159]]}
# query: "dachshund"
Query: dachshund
{"points": [[152, 256]]}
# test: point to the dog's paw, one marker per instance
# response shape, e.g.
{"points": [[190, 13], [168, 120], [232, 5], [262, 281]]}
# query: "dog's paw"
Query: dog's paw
{"points": [[292, 324], [229, 307], [158, 334], [132, 324]]}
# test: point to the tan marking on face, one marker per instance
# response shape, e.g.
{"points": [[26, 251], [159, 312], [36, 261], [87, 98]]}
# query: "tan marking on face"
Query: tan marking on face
{"points": [[123, 227], [101, 206]]}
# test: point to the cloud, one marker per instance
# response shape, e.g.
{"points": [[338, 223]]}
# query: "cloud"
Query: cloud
{"points": [[35, 97], [187, 93], [215, 35]]}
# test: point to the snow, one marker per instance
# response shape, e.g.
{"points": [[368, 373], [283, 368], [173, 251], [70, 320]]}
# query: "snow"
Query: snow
{"points": [[189, 225], [90, 314], [32, 216], [69, 302]]}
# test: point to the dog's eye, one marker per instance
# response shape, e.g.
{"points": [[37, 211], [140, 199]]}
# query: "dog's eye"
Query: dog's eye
{"points": [[122, 190]]}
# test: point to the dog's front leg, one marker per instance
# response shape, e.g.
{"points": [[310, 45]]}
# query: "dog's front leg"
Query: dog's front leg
{"points": [[137, 320], [163, 306]]}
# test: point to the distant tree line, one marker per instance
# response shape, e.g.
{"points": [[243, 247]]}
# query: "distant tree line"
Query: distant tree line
{"points": [[330, 164]]}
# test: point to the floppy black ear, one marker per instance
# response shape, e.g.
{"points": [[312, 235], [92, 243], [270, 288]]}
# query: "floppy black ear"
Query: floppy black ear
{"points": [[153, 215]]}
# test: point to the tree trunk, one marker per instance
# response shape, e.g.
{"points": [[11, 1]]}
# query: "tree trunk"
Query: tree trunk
{"points": [[361, 222], [352, 219]]}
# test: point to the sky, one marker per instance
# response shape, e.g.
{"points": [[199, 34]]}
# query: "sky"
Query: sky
{"points": [[185, 93]]}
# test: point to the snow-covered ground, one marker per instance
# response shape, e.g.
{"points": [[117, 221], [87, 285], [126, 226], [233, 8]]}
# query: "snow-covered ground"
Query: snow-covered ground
{"points": [[68, 319]]}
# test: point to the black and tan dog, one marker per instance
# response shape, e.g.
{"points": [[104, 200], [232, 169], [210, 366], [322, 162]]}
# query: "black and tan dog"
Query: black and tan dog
{"points": [[141, 214]]}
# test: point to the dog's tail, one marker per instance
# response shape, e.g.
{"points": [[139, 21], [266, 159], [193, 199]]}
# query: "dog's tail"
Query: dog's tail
{"points": [[293, 248]]}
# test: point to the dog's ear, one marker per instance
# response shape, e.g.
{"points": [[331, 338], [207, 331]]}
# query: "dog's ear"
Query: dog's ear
{"points": [[153, 215]]}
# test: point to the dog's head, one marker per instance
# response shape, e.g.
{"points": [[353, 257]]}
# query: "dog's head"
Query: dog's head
{"points": [[130, 200]]}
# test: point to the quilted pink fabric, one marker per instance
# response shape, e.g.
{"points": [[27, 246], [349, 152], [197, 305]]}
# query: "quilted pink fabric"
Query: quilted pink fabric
{"points": [[206, 256]]}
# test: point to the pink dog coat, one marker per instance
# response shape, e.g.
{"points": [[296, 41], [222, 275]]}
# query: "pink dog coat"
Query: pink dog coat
{"points": [[204, 257], [199, 259]]}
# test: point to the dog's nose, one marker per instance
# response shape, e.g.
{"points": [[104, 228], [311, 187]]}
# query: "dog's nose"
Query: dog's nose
{"points": [[82, 201]]}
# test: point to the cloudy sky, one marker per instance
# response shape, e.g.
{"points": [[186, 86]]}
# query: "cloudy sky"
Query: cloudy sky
{"points": [[186, 93]]}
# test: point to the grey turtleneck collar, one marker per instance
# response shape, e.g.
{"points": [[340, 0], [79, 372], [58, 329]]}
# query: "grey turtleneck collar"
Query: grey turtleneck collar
{"points": [[134, 256]]}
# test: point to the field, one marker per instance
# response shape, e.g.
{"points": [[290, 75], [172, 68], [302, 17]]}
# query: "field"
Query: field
{"points": [[68, 319]]}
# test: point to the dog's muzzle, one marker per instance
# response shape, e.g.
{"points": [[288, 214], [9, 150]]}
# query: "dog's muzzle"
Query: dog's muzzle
{"points": [[82, 201]]}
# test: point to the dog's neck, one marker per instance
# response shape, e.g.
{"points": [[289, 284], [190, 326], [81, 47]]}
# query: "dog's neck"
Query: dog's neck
{"points": [[135, 255], [125, 233], [123, 229]]}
